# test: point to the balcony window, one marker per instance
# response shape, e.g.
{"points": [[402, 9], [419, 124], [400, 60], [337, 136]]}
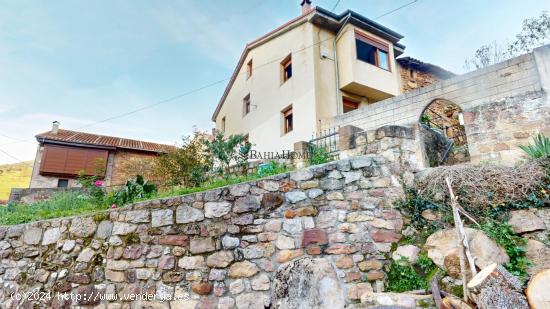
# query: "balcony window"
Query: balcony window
{"points": [[372, 51]]}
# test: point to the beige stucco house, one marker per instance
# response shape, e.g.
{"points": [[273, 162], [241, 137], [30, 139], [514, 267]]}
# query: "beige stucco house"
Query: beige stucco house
{"points": [[312, 68]]}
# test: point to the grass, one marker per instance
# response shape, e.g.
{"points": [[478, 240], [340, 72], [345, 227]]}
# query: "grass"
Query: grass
{"points": [[63, 204], [218, 183], [14, 176]]}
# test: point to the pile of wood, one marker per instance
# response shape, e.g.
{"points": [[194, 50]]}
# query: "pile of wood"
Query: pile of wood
{"points": [[493, 287]]}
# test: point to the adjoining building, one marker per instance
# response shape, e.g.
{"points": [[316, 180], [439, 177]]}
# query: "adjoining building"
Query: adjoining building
{"points": [[313, 68], [63, 154]]}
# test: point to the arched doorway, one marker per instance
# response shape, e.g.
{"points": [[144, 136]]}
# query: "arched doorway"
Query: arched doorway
{"points": [[443, 133]]}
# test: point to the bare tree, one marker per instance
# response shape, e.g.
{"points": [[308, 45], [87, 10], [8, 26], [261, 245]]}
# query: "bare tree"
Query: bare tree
{"points": [[535, 32]]}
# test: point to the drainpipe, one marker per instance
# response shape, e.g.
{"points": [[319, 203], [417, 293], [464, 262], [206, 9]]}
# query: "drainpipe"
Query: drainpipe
{"points": [[336, 69]]}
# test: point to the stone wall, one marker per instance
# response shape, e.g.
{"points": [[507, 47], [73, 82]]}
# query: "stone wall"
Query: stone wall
{"points": [[503, 104], [127, 164], [495, 130], [324, 231]]}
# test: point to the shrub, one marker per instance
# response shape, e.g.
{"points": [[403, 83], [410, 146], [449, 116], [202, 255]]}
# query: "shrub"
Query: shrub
{"points": [[186, 165], [227, 151], [318, 155], [504, 235], [402, 277], [540, 147], [271, 168], [94, 187], [134, 189]]}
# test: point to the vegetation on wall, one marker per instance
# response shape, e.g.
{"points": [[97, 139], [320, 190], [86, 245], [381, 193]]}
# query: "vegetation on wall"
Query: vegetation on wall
{"points": [[60, 205], [318, 155], [488, 193]]}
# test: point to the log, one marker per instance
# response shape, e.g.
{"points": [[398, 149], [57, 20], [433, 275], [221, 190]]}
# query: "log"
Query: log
{"points": [[453, 302], [495, 288], [435, 292], [464, 247], [538, 290]]}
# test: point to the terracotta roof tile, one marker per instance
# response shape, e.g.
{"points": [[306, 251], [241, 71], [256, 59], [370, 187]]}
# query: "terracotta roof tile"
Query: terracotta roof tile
{"points": [[83, 138]]}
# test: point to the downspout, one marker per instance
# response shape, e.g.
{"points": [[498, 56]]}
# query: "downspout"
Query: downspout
{"points": [[336, 69]]}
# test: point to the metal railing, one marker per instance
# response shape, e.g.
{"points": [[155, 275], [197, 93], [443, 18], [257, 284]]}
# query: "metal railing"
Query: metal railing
{"points": [[327, 139]]}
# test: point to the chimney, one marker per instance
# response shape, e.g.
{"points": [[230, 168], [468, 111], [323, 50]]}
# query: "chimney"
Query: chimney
{"points": [[306, 6], [55, 127]]}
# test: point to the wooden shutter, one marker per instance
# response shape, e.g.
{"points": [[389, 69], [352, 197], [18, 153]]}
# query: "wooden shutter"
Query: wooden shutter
{"points": [[69, 161], [372, 41]]}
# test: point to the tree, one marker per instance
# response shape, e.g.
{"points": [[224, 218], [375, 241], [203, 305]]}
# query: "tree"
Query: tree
{"points": [[535, 32], [186, 165], [229, 151]]}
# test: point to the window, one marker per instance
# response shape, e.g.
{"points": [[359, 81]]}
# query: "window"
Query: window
{"points": [[223, 124], [287, 120], [246, 105], [249, 69], [62, 183], [349, 105], [286, 68], [372, 51]]}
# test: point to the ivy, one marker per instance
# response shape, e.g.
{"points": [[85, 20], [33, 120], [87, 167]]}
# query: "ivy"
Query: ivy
{"points": [[504, 235], [402, 277]]}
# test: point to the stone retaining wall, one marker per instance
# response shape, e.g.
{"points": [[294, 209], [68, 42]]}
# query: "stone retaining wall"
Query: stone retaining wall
{"points": [[225, 248]]}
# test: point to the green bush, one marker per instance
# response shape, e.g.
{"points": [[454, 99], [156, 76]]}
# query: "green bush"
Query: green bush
{"points": [[504, 235], [271, 168], [135, 189], [318, 155], [227, 151], [186, 165], [402, 277], [540, 147]]}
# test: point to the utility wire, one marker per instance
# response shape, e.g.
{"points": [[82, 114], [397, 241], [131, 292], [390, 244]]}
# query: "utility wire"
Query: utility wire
{"points": [[396, 9], [335, 5], [15, 158], [278, 59]]}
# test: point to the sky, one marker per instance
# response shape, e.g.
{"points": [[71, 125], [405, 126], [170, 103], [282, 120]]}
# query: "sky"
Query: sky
{"points": [[80, 62]]}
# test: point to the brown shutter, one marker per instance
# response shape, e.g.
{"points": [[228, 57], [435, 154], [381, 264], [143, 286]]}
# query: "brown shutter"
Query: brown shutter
{"points": [[69, 161], [372, 41]]}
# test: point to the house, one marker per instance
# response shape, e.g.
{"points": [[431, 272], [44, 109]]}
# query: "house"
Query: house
{"points": [[63, 154], [312, 68]]}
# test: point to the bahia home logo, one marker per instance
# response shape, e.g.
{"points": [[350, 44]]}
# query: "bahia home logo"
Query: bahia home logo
{"points": [[278, 155]]}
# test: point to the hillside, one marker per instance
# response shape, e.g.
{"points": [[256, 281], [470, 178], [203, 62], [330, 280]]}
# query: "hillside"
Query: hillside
{"points": [[16, 175]]}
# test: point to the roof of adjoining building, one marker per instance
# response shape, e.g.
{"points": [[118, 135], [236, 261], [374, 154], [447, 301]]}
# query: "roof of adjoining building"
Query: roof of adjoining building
{"points": [[323, 18], [425, 67], [76, 138]]}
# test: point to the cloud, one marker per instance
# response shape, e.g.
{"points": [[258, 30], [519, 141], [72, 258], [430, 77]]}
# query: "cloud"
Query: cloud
{"points": [[212, 35], [5, 108]]}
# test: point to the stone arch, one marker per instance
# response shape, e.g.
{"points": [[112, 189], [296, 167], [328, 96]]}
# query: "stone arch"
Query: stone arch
{"points": [[443, 133]]}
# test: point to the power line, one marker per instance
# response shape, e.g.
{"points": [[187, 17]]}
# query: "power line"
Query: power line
{"points": [[396, 9], [278, 59], [15, 158], [335, 5]]}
